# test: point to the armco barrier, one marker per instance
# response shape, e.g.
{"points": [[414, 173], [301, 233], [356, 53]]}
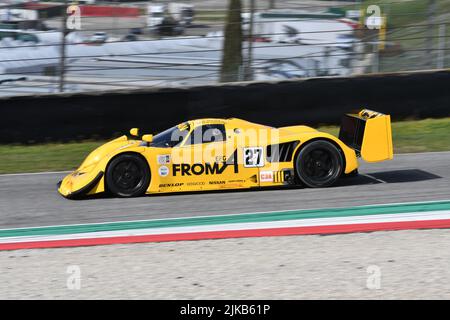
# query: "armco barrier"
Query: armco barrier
{"points": [[63, 117]]}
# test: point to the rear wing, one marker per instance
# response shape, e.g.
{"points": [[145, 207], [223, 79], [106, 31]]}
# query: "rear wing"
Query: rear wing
{"points": [[369, 134]]}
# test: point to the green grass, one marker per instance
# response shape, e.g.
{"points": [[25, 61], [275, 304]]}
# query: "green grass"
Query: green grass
{"points": [[44, 157], [405, 12], [210, 16], [401, 12], [416, 136], [409, 136]]}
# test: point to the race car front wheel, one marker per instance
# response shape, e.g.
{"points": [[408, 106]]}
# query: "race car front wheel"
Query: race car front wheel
{"points": [[319, 164], [127, 175]]}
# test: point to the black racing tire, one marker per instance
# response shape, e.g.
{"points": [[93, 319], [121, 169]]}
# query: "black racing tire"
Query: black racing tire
{"points": [[127, 175], [319, 164]]}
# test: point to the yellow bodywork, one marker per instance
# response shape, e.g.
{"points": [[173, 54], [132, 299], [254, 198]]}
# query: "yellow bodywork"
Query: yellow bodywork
{"points": [[377, 140], [369, 133], [226, 164]]}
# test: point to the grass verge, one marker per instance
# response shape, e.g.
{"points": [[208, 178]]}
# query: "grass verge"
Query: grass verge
{"points": [[409, 136]]}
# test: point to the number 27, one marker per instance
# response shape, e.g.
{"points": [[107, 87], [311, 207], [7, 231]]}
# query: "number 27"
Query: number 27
{"points": [[253, 157]]}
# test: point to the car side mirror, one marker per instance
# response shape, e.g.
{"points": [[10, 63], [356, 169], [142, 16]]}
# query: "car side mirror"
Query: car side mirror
{"points": [[134, 132], [147, 138]]}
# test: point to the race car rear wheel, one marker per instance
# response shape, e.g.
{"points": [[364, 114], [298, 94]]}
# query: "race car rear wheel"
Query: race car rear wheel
{"points": [[319, 164], [127, 175]]}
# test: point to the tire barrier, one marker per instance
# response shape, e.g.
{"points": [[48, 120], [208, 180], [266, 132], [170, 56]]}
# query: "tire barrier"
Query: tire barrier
{"points": [[102, 115]]}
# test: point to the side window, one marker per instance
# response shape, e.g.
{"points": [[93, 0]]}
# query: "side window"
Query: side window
{"points": [[207, 133]]}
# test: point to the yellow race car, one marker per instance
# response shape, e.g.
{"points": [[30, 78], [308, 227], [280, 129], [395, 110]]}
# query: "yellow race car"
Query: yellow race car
{"points": [[219, 154]]}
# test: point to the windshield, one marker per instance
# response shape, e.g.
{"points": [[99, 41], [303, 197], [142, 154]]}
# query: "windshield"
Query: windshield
{"points": [[171, 137]]}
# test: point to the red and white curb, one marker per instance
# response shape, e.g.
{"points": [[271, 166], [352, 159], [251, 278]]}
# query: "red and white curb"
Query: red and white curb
{"points": [[335, 225]]}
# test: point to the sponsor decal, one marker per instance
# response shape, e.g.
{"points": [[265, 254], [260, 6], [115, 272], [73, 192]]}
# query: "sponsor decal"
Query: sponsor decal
{"points": [[233, 185], [199, 183], [285, 176], [215, 121], [185, 169], [170, 185], [197, 169], [163, 158], [183, 126], [221, 158], [236, 181], [163, 171], [266, 176], [253, 157], [217, 182]]}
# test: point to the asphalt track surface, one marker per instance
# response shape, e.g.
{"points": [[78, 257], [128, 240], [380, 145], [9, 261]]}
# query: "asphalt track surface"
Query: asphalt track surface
{"points": [[28, 200]]}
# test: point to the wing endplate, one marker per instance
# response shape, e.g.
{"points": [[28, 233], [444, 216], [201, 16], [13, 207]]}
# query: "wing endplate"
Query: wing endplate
{"points": [[369, 133]]}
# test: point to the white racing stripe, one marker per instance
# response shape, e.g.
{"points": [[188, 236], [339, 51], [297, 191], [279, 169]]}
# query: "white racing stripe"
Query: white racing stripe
{"points": [[33, 173], [381, 218]]}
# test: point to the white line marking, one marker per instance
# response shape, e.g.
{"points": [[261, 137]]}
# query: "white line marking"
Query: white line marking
{"points": [[228, 215], [419, 153], [33, 173], [373, 178]]}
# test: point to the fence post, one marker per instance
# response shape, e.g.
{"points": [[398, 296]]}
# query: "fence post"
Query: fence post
{"points": [[442, 45], [376, 59], [62, 60], [429, 40], [249, 70]]}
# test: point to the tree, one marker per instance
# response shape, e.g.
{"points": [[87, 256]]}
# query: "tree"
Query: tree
{"points": [[271, 4], [232, 47]]}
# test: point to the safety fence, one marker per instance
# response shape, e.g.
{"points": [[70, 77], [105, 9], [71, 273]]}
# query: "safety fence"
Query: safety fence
{"points": [[78, 116]]}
